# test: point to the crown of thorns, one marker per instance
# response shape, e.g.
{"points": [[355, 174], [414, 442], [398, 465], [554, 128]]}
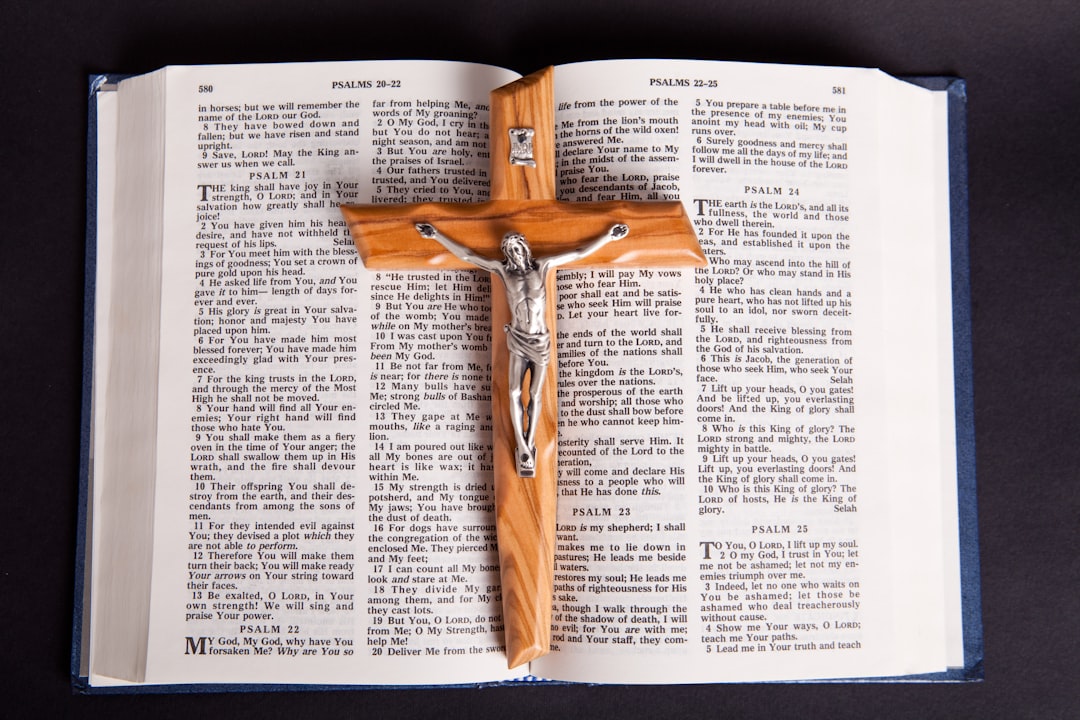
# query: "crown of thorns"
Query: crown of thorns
{"points": [[513, 238]]}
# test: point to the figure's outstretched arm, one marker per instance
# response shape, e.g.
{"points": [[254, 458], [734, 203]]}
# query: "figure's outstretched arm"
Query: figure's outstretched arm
{"points": [[615, 232], [459, 251]]}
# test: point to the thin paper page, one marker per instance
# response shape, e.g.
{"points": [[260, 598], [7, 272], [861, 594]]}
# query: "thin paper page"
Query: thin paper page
{"points": [[106, 189], [950, 511], [915, 248], [123, 487]]}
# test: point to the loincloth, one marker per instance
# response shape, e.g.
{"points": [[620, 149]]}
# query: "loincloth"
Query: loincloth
{"points": [[534, 347]]}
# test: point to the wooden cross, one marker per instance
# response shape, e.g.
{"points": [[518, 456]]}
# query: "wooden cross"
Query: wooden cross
{"points": [[389, 237]]}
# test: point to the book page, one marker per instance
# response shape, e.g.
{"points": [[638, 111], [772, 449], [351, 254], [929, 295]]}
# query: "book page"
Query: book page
{"points": [[105, 189], [126, 315], [751, 462], [323, 485]]}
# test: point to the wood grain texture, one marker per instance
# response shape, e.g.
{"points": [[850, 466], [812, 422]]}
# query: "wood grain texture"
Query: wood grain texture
{"points": [[660, 232], [528, 102]]}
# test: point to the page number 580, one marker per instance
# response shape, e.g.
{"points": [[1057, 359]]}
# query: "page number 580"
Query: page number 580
{"points": [[210, 89]]}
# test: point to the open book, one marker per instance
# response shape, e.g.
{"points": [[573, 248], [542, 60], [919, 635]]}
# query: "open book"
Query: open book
{"points": [[764, 465]]}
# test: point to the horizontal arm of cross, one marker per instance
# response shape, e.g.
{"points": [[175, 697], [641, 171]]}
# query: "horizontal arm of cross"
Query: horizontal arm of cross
{"points": [[660, 233]]}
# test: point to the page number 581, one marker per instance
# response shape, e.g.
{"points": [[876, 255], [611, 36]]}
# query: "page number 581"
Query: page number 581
{"points": [[839, 90]]}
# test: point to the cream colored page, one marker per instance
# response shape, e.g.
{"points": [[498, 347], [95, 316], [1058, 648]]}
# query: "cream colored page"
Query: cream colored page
{"points": [[919, 341], [725, 501], [106, 189], [323, 503], [127, 364], [920, 243]]}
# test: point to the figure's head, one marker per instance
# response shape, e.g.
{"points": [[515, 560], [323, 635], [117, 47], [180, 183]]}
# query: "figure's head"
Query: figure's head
{"points": [[516, 250]]}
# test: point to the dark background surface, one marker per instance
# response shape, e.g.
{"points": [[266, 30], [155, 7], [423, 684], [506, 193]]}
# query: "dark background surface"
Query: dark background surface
{"points": [[1023, 80]]}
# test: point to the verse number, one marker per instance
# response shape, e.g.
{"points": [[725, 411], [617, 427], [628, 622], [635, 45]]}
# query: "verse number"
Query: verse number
{"points": [[839, 90], [206, 88]]}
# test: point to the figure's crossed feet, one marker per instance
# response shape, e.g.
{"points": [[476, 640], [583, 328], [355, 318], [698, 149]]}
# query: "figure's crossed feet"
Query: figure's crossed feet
{"points": [[526, 463]]}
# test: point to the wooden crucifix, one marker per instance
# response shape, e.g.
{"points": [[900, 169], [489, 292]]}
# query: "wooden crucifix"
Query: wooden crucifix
{"points": [[523, 218]]}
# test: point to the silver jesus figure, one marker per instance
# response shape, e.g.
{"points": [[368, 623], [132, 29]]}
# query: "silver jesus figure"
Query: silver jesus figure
{"points": [[527, 335]]}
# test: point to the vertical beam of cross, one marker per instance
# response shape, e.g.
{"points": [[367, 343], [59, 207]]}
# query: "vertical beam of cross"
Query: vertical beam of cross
{"points": [[523, 201]]}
